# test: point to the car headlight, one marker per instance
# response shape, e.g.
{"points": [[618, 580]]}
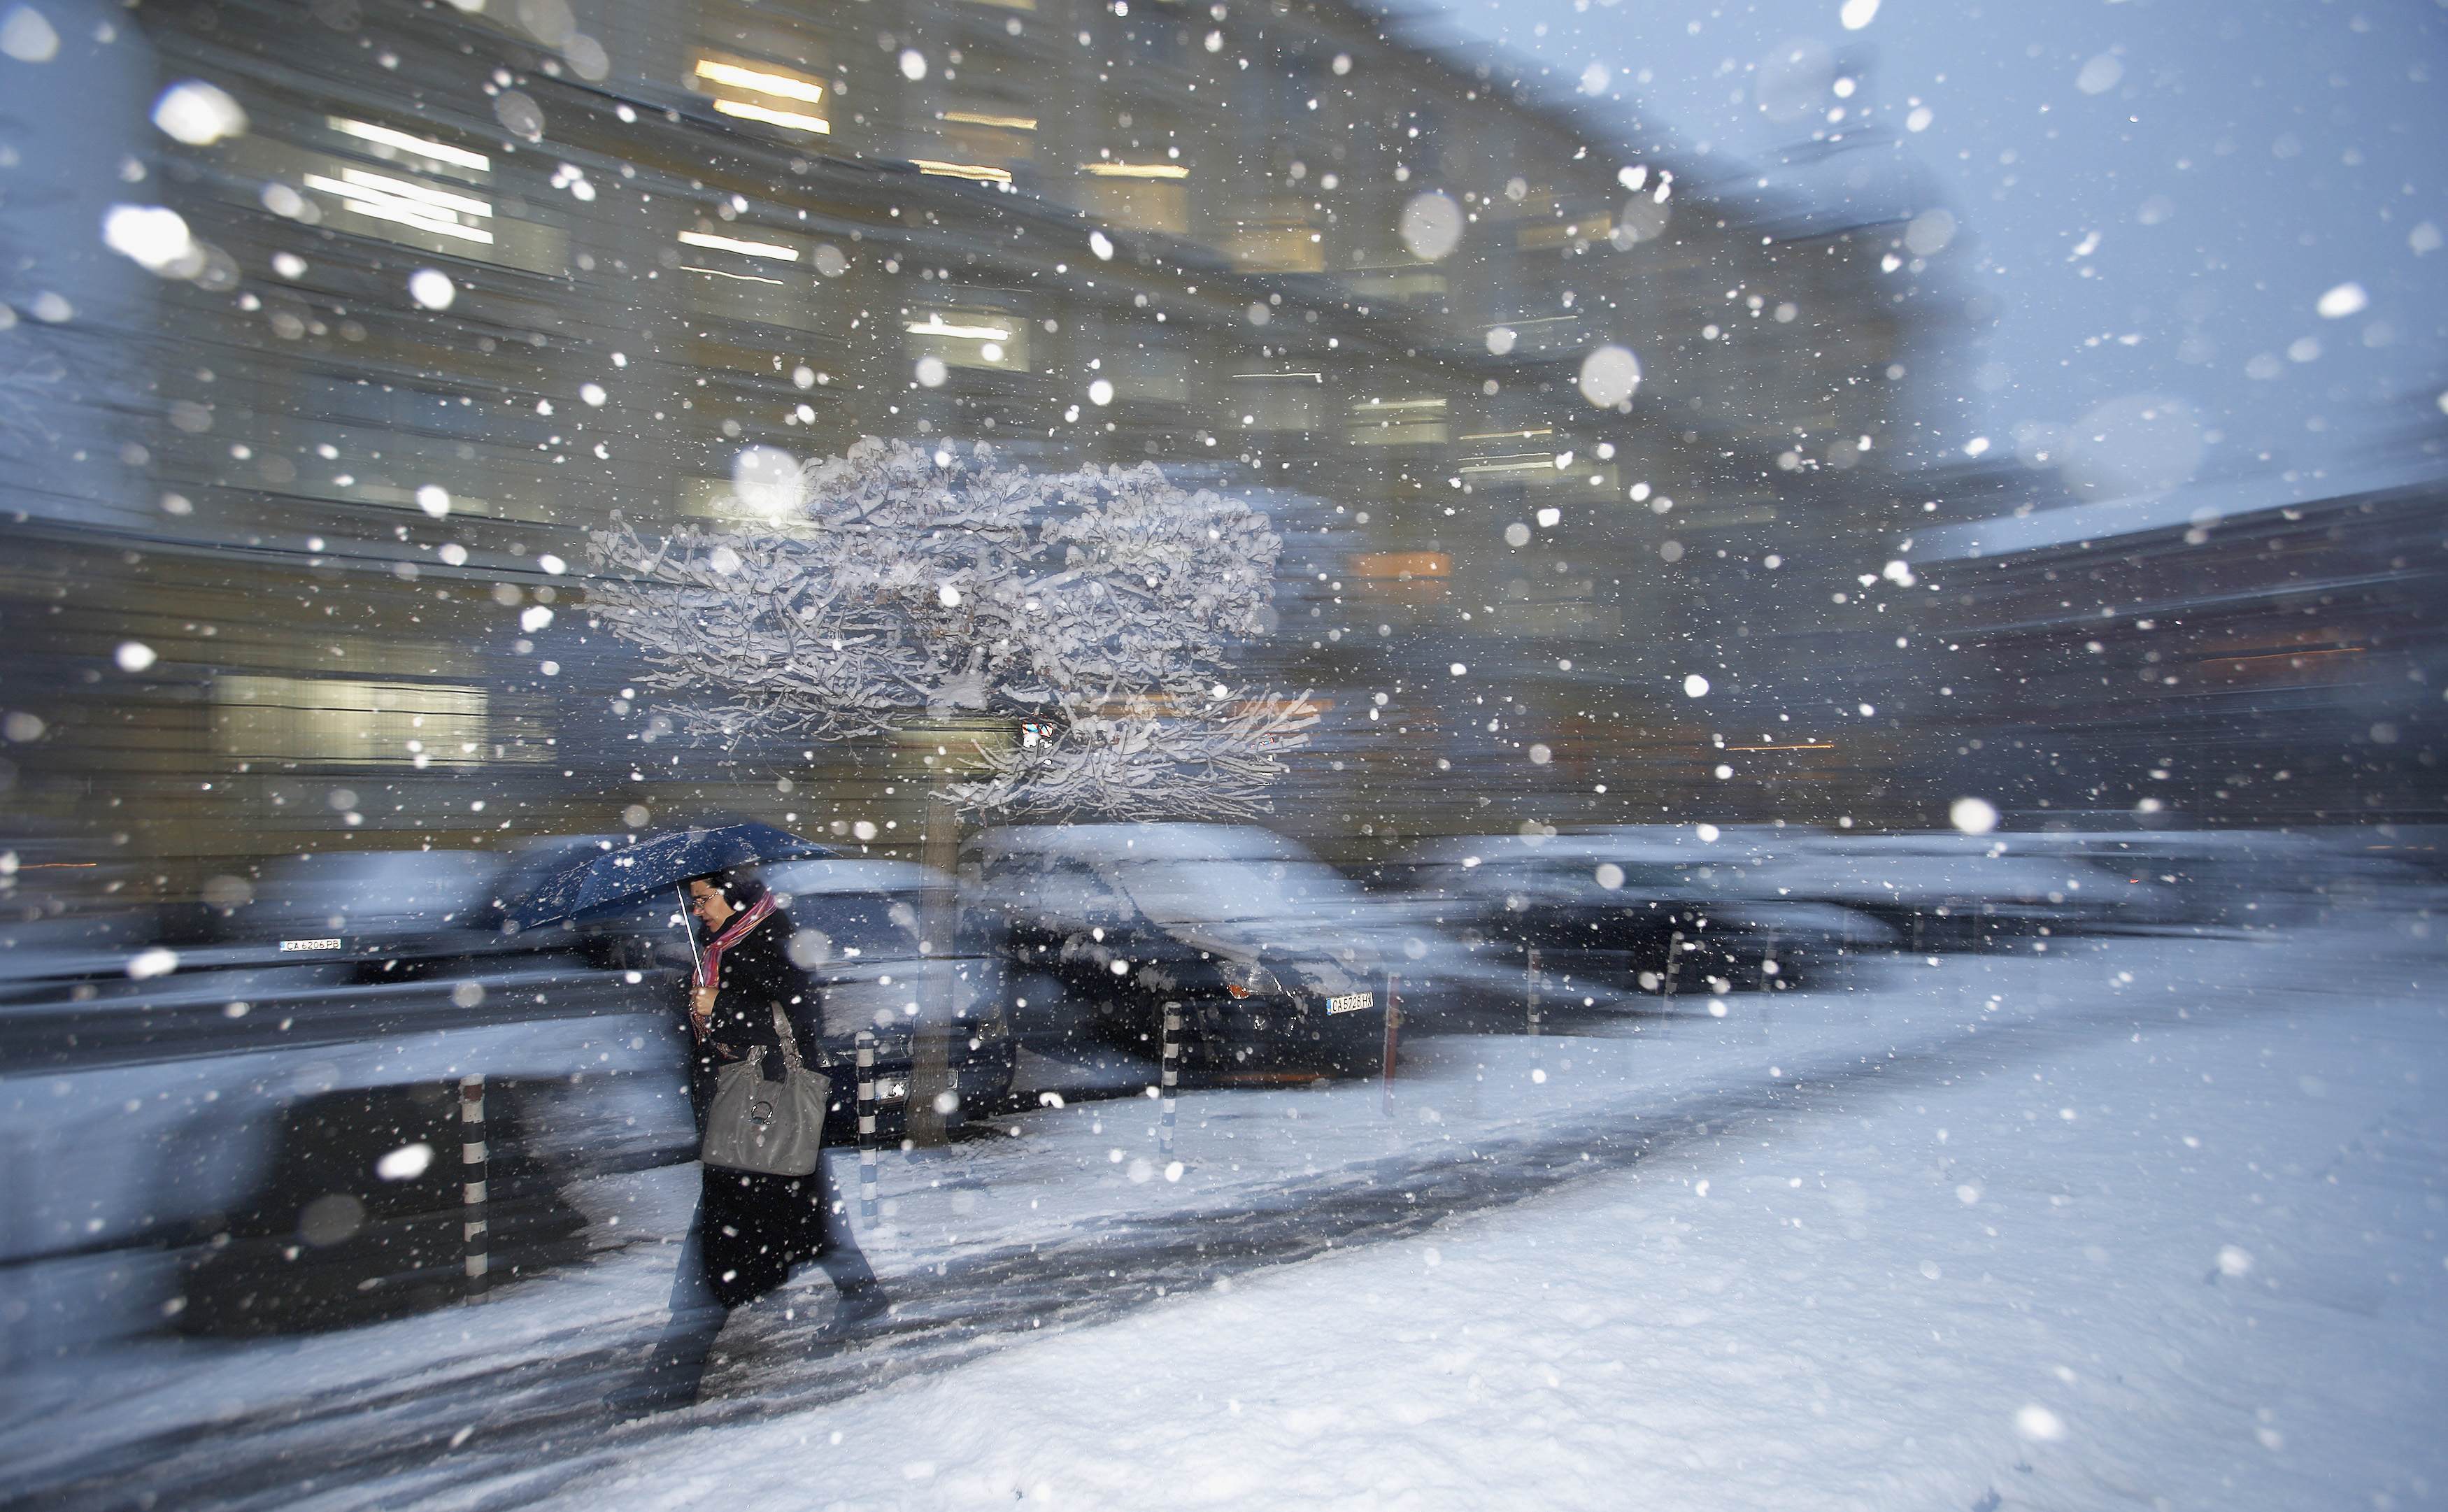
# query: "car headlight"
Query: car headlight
{"points": [[1249, 980]]}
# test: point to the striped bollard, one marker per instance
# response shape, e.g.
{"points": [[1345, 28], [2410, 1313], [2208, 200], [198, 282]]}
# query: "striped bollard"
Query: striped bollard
{"points": [[1769, 985], [1534, 990], [866, 1126], [1393, 1028], [474, 1194], [1171, 1076]]}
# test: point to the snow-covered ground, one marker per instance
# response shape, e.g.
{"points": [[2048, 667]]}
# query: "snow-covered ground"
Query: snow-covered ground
{"points": [[2145, 1222]]}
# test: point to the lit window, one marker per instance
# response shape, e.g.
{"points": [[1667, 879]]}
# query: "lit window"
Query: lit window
{"points": [[987, 132], [1409, 421], [1413, 578], [762, 81], [1134, 170], [398, 142], [981, 118], [405, 201], [976, 172], [1138, 203], [741, 245], [935, 325], [750, 92], [973, 336], [1276, 238], [425, 189], [349, 722]]}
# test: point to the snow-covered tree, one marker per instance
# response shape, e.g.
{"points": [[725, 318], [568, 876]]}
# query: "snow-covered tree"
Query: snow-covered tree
{"points": [[1096, 610]]}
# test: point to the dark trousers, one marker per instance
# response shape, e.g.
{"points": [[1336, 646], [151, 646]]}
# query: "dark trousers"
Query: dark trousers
{"points": [[748, 1233]]}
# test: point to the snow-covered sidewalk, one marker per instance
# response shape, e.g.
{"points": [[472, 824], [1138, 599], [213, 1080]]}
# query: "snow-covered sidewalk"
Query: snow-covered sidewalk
{"points": [[2195, 1263], [2132, 1221]]}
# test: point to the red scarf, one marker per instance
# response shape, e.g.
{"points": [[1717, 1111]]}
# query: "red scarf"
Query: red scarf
{"points": [[709, 970]]}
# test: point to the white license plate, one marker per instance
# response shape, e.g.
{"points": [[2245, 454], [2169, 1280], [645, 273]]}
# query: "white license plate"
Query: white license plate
{"points": [[1351, 1003]]}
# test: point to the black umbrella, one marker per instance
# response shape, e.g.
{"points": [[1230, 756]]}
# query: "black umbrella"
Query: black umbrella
{"points": [[653, 864]]}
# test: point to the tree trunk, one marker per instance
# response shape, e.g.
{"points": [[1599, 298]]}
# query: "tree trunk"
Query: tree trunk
{"points": [[930, 1069]]}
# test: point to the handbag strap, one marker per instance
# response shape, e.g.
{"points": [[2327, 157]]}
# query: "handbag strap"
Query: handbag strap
{"points": [[790, 1040]]}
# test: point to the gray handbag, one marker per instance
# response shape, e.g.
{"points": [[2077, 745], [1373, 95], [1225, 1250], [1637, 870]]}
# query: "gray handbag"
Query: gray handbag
{"points": [[774, 1128]]}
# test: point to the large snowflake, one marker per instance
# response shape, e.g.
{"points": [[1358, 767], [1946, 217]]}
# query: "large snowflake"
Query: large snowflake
{"points": [[1093, 612]]}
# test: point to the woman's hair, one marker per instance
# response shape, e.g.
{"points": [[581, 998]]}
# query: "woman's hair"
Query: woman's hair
{"points": [[741, 884]]}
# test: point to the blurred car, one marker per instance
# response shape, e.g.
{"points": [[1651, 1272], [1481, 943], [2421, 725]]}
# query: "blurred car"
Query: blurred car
{"points": [[1272, 955], [1949, 890], [253, 1138], [304, 919], [2249, 879], [1655, 910]]}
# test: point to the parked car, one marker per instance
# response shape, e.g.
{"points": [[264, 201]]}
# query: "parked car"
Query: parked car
{"points": [[2252, 879], [1655, 910], [1949, 890], [1274, 958]]}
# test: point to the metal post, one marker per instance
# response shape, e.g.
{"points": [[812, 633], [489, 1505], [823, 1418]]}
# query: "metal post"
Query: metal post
{"points": [[866, 1126], [474, 1194], [1674, 962], [1769, 986], [1171, 1076], [931, 1082], [1534, 991], [1393, 1031]]}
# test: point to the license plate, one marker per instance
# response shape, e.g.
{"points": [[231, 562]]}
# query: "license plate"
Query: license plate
{"points": [[1351, 1003]]}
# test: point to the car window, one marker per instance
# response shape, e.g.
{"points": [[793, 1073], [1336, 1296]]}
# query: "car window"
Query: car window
{"points": [[828, 928]]}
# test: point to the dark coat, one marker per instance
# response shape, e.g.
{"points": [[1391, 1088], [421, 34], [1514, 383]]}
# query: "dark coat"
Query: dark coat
{"points": [[757, 974], [751, 1228]]}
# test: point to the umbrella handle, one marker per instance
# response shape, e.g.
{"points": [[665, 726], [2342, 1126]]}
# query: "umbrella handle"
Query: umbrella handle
{"points": [[695, 961]]}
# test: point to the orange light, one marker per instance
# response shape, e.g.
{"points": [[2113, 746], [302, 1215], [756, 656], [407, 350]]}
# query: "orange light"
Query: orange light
{"points": [[1402, 565]]}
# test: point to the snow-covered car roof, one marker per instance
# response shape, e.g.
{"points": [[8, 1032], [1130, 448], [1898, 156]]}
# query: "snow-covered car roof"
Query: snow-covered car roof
{"points": [[1147, 841], [1653, 862], [854, 875], [1226, 886], [366, 891], [1677, 844], [1865, 873]]}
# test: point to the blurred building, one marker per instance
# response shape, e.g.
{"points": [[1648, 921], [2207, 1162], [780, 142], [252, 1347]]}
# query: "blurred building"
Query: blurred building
{"points": [[2172, 661], [464, 280]]}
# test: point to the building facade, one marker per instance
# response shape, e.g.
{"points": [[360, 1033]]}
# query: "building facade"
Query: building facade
{"points": [[461, 280]]}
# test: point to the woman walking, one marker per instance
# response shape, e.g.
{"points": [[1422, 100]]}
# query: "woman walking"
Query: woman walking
{"points": [[754, 1228], [751, 1228]]}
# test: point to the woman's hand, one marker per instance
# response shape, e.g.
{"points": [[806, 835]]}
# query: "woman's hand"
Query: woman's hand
{"points": [[701, 1006]]}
